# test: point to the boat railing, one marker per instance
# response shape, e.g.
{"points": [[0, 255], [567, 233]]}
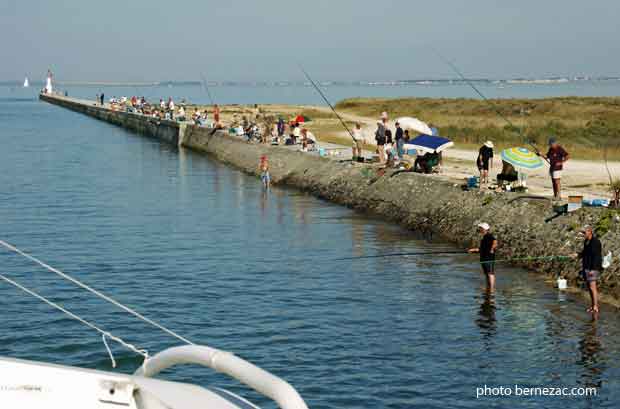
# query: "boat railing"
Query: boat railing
{"points": [[227, 363]]}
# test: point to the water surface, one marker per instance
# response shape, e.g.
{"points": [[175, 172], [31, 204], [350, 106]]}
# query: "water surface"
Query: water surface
{"points": [[202, 249]]}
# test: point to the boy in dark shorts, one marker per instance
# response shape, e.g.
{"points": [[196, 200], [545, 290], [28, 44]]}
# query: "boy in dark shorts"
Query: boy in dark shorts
{"points": [[487, 248]]}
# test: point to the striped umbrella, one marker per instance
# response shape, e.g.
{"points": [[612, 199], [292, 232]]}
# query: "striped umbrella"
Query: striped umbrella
{"points": [[522, 158]]}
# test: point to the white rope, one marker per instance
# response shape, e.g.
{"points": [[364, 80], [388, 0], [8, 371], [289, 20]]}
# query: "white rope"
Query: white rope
{"points": [[97, 293], [104, 333], [107, 348]]}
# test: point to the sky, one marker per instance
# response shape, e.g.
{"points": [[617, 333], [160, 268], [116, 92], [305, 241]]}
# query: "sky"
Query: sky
{"points": [[266, 40]]}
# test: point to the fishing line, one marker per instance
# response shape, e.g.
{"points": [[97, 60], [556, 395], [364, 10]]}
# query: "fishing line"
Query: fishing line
{"points": [[205, 87], [96, 292], [104, 334], [327, 101], [429, 253], [507, 260], [488, 101]]}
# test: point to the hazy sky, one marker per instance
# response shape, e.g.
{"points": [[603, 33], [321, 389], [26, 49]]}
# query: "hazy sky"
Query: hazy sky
{"points": [[337, 39]]}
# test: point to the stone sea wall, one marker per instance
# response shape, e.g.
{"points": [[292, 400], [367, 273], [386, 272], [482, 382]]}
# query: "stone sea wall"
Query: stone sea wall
{"points": [[419, 202]]}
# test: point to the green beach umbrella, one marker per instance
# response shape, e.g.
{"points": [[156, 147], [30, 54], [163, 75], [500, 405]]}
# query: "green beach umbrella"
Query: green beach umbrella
{"points": [[522, 158]]}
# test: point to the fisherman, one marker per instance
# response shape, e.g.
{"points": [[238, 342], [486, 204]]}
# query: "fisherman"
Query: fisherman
{"points": [[380, 139], [485, 161], [216, 113], [487, 248], [357, 142], [592, 264], [556, 157], [400, 141]]}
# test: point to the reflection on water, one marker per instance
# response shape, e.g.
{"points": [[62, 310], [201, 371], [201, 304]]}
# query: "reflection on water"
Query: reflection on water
{"points": [[206, 251], [590, 347], [486, 318]]}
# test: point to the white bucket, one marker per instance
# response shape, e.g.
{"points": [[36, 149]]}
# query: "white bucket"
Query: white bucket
{"points": [[562, 284]]}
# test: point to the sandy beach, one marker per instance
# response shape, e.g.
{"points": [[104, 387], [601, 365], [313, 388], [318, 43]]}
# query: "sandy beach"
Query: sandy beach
{"points": [[581, 177]]}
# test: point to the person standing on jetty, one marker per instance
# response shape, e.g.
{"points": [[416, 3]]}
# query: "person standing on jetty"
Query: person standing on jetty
{"points": [[357, 142], [400, 141], [487, 248], [102, 98], [556, 155], [380, 139], [216, 113], [485, 161], [592, 264]]}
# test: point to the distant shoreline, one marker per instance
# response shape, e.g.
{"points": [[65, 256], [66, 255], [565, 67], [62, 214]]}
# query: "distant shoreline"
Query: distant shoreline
{"points": [[327, 83]]}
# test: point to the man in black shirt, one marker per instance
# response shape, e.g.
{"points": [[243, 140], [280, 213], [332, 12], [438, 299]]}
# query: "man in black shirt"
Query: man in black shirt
{"points": [[592, 264], [487, 248], [400, 141]]}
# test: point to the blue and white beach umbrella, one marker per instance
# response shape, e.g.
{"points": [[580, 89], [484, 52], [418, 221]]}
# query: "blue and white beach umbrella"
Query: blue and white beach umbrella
{"points": [[522, 158]]}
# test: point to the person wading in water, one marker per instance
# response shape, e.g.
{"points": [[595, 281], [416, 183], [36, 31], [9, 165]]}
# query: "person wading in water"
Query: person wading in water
{"points": [[592, 264], [487, 248]]}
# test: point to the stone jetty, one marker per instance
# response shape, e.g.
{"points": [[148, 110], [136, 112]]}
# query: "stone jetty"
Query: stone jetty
{"points": [[418, 202]]}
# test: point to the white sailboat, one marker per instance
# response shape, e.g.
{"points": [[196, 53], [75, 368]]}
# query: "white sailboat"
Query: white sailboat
{"points": [[26, 83], [31, 384]]}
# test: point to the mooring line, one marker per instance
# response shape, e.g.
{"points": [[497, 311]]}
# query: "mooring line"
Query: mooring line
{"points": [[96, 292], [105, 334]]}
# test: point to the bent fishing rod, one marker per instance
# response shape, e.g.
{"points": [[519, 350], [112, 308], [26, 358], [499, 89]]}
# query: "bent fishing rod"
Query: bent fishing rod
{"points": [[488, 101], [205, 86], [327, 102]]}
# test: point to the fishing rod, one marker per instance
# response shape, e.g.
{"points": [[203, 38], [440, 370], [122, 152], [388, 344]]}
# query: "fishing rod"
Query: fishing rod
{"points": [[488, 101], [327, 102], [205, 86], [428, 253]]}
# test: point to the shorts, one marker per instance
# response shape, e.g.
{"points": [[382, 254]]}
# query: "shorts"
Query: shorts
{"points": [[265, 177], [483, 166], [488, 266], [590, 276], [556, 174]]}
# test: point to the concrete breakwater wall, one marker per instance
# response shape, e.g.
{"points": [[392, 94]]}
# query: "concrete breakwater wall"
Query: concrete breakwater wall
{"points": [[167, 131], [419, 202]]}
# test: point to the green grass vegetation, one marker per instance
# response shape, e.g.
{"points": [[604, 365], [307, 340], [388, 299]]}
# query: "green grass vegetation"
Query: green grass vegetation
{"points": [[584, 126], [605, 222]]}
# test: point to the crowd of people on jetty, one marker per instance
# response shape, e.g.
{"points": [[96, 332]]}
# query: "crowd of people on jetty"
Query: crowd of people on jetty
{"points": [[390, 151], [164, 110]]}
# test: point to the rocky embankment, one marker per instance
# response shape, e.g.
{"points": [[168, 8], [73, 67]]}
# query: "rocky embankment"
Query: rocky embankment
{"points": [[423, 203], [419, 202]]}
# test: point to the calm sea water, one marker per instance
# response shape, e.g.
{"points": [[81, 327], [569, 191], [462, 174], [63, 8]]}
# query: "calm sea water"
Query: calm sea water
{"points": [[202, 249]]}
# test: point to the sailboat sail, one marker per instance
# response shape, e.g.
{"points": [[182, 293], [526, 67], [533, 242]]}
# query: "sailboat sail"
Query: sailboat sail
{"points": [[26, 83]]}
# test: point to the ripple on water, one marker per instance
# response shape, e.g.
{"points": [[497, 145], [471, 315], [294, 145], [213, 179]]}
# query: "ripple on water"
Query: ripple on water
{"points": [[197, 246]]}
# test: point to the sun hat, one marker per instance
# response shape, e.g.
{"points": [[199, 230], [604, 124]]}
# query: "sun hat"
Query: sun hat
{"points": [[488, 144], [484, 226]]}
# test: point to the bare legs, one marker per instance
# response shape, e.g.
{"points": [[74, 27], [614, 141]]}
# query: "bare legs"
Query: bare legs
{"points": [[490, 282], [484, 177], [556, 188], [593, 296]]}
